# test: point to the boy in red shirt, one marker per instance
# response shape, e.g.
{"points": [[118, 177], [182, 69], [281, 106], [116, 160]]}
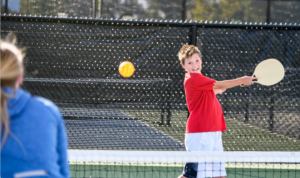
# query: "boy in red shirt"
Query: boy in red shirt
{"points": [[206, 121]]}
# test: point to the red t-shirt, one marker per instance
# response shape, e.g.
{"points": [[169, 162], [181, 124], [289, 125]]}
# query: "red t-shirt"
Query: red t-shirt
{"points": [[206, 113]]}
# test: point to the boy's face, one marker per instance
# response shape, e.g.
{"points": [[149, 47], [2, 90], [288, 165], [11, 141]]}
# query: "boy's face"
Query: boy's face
{"points": [[193, 64]]}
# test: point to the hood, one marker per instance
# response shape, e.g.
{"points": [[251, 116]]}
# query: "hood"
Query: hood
{"points": [[16, 104]]}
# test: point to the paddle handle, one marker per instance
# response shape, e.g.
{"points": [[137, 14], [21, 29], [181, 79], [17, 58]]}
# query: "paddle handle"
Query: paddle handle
{"points": [[254, 80]]}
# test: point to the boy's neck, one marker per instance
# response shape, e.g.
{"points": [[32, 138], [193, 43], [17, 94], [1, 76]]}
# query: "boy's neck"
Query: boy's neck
{"points": [[193, 73]]}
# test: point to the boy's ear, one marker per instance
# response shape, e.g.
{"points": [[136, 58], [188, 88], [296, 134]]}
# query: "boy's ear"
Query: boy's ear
{"points": [[182, 66]]}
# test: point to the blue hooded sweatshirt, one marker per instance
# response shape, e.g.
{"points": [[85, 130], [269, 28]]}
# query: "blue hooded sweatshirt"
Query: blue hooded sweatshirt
{"points": [[37, 143]]}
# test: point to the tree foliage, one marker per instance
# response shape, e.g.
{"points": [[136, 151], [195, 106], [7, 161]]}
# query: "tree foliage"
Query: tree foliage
{"points": [[216, 10]]}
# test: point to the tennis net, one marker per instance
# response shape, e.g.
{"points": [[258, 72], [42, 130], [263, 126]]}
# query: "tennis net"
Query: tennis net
{"points": [[170, 164]]}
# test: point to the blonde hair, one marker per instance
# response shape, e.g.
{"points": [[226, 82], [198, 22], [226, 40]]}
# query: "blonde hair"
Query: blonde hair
{"points": [[11, 68], [186, 51]]}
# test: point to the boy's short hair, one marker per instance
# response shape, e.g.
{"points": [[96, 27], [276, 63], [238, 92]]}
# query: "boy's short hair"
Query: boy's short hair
{"points": [[186, 51]]}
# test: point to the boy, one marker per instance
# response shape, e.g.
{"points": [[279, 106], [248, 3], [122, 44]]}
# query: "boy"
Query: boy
{"points": [[206, 121]]}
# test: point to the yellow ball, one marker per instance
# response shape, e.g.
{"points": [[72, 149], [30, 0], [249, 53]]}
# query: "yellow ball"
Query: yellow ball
{"points": [[126, 69]]}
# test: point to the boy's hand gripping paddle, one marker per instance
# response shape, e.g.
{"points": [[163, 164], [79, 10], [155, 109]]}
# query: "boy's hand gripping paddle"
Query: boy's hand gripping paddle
{"points": [[268, 72]]}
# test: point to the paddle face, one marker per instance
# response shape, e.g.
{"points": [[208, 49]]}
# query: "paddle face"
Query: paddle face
{"points": [[269, 72]]}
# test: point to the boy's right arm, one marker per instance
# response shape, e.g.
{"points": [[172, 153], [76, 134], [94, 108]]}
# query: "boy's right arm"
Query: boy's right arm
{"points": [[235, 82]]}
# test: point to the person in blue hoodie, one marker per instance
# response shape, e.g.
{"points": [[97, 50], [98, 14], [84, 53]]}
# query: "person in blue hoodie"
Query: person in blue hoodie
{"points": [[33, 135]]}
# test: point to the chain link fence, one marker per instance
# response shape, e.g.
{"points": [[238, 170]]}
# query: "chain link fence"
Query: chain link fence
{"points": [[74, 62]]}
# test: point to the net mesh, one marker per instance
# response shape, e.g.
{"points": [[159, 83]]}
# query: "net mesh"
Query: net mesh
{"points": [[74, 62], [121, 164]]}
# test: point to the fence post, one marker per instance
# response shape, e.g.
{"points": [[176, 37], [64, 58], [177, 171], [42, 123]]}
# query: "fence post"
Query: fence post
{"points": [[93, 15], [6, 7], [193, 39], [268, 11], [271, 118], [183, 10]]}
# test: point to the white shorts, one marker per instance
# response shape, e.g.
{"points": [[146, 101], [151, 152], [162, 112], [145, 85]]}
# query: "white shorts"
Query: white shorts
{"points": [[206, 141]]}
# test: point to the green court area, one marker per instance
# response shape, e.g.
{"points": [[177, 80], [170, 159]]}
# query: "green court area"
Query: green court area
{"points": [[238, 136], [139, 170]]}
